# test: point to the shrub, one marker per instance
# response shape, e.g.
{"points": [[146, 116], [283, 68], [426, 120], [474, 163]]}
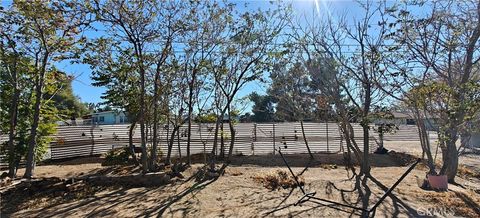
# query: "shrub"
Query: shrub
{"points": [[117, 156], [280, 178]]}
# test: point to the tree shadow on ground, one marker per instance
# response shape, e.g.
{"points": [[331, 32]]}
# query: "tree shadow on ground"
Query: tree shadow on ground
{"points": [[298, 160], [468, 201], [396, 202], [362, 188], [195, 188], [75, 160], [316, 204]]}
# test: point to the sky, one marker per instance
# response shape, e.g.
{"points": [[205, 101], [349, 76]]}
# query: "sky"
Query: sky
{"points": [[82, 84], [83, 88]]}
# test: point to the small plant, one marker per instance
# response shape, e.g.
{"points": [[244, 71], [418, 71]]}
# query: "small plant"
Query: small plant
{"points": [[117, 156]]}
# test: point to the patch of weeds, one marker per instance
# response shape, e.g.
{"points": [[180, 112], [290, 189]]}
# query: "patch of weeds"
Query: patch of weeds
{"points": [[278, 179], [467, 172], [329, 166], [117, 156]]}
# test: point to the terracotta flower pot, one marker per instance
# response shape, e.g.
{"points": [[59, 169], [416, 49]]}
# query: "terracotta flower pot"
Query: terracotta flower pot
{"points": [[438, 182]]}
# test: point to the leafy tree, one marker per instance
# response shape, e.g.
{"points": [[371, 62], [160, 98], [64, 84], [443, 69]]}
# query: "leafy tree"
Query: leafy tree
{"points": [[291, 92], [131, 22], [44, 32], [243, 57], [263, 110], [441, 46], [206, 118], [355, 51], [246, 118], [68, 105]]}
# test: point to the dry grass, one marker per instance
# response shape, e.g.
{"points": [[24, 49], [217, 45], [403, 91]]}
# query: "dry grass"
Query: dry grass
{"points": [[467, 172], [329, 166], [464, 204], [233, 172], [277, 179]]}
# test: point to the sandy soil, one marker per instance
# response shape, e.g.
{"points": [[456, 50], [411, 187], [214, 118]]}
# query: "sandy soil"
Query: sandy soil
{"points": [[469, 159], [237, 194]]}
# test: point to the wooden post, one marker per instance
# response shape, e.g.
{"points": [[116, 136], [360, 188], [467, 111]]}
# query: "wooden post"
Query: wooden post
{"points": [[178, 144], [273, 138], [254, 138], [328, 150]]}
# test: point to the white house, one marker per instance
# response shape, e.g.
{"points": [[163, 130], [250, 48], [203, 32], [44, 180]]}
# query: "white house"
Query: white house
{"points": [[107, 118]]}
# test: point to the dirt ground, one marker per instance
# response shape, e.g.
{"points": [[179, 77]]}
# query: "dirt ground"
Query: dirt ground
{"points": [[237, 194]]}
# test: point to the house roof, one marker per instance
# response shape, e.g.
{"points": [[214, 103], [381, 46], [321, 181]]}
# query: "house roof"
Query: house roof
{"points": [[107, 112], [402, 114], [409, 115]]}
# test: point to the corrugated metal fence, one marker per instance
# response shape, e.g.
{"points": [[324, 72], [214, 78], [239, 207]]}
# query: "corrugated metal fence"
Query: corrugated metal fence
{"points": [[250, 138]]}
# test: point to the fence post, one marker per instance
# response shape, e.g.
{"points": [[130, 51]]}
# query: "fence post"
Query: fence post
{"points": [[341, 140], [92, 139], [255, 132], [273, 138], [254, 137], [328, 150]]}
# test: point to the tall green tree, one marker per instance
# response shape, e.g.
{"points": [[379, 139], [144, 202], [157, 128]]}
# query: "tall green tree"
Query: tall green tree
{"points": [[45, 32], [133, 59], [290, 90], [263, 109], [68, 104]]}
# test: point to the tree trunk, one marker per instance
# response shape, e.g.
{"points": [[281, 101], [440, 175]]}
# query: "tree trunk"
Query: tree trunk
{"points": [[143, 145], [190, 114], [424, 140], [12, 155], [170, 145], [130, 143], [232, 137], [222, 141], [143, 136], [189, 132], [178, 144], [215, 137], [215, 143], [450, 156], [30, 165], [366, 148], [465, 137], [153, 160]]}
